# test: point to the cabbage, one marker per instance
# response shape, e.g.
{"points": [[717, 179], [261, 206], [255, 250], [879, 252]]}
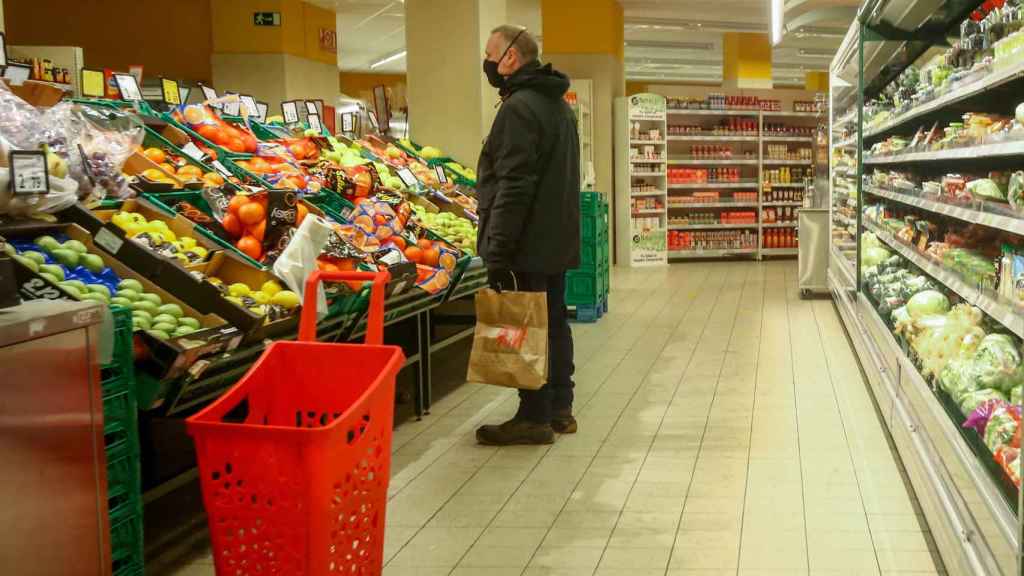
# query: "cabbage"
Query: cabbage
{"points": [[998, 362], [901, 319], [958, 378], [927, 303], [985, 188], [873, 256], [969, 401]]}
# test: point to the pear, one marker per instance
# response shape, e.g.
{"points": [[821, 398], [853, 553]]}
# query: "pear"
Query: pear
{"points": [[188, 321], [150, 297], [66, 257], [99, 289], [53, 269], [158, 334], [48, 243], [27, 263], [76, 246], [171, 309], [130, 284], [92, 263], [128, 293], [36, 257]]}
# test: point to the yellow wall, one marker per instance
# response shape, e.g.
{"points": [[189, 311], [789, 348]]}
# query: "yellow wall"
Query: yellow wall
{"points": [[816, 81], [582, 27], [747, 60], [298, 34], [355, 83], [314, 19]]}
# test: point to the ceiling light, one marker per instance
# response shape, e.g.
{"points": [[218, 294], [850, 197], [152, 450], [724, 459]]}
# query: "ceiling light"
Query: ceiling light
{"points": [[776, 16], [387, 59]]}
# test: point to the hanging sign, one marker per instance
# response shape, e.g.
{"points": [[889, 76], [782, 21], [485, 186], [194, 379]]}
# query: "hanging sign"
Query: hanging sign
{"points": [[311, 108], [250, 105], [210, 94], [261, 111], [348, 123]]}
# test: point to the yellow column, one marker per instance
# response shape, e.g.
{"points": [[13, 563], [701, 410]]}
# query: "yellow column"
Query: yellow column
{"points": [[816, 81], [293, 60], [746, 60]]}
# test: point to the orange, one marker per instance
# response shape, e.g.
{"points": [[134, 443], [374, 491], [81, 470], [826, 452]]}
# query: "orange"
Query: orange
{"points": [[251, 247], [190, 172], [414, 254], [259, 230], [398, 241], [252, 214], [303, 212], [232, 225], [258, 164], [167, 167], [210, 132], [431, 256], [234, 144], [425, 243], [156, 155], [237, 201]]}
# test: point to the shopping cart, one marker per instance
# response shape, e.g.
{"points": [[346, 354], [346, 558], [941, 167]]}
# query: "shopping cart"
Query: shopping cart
{"points": [[294, 459]]}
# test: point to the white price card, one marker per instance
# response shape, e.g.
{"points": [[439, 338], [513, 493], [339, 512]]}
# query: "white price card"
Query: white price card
{"points": [[261, 111], [348, 123], [220, 168], [232, 107], [311, 108], [290, 111], [314, 123], [408, 178], [250, 105], [128, 86], [441, 176], [374, 122], [29, 174], [193, 151], [209, 94]]}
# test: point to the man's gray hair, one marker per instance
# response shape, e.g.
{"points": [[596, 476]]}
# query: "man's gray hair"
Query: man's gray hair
{"points": [[525, 44]]}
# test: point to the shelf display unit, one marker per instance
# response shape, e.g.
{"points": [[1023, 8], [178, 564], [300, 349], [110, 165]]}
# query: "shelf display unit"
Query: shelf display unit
{"points": [[927, 254], [641, 180], [581, 99]]}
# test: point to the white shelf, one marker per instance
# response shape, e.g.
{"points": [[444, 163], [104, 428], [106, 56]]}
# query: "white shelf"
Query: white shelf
{"points": [[651, 193], [778, 225], [781, 185], [703, 185], [648, 174], [643, 142], [712, 205], [701, 112], [647, 160], [710, 226], [994, 150], [790, 203], [648, 212], [713, 161], [791, 114], [787, 139], [711, 138], [711, 253], [780, 251], [1008, 223], [1003, 312], [774, 162], [652, 118]]}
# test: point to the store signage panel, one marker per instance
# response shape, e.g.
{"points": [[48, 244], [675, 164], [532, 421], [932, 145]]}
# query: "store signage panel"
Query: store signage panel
{"points": [[649, 247], [266, 19], [651, 106]]}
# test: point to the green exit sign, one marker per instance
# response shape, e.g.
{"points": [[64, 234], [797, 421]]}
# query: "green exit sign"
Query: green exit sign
{"points": [[266, 18]]}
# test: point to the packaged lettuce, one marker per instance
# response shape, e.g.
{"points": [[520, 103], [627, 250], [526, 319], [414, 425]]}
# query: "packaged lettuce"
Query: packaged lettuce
{"points": [[1015, 395], [958, 378], [1002, 426], [1009, 459], [978, 419], [999, 363], [971, 400]]}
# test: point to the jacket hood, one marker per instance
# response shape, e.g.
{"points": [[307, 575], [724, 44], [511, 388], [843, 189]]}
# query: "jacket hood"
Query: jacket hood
{"points": [[533, 76]]}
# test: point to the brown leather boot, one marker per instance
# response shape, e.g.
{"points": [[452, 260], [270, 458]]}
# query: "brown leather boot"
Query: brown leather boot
{"points": [[563, 422], [515, 432]]}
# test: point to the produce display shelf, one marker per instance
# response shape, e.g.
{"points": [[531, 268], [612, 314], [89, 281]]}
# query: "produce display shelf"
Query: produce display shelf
{"points": [[712, 205], [779, 224], [1003, 312], [713, 161], [711, 112], [954, 96], [647, 174], [782, 203], [650, 193], [711, 253], [779, 162], [779, 251], [992, 150], [473, 279], [846, 265], [787, 139], [1008, 223], [710, 226], [402, 306], [711, 138], [700, 185]]}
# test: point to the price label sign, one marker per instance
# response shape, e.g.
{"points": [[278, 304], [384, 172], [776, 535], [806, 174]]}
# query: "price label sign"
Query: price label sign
{"points": [[374, 122], [441, 176], [408, 178], [171, 92], [261, 111], [250, 105], [183, 93], [193, 151], [315, 124], [311, 108], [348, 123], [29, 173], [128, 86], [220, 168], [232, 107], [290, 111], [209, 94], [93, 83]]}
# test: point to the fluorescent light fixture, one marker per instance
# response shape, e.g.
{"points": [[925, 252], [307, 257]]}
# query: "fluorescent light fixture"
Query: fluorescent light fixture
{"points": [[387, 59], [776, 15]]}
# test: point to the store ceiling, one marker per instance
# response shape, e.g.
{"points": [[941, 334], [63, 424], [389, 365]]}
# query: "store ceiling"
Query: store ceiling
{"points": [[667, 40]]}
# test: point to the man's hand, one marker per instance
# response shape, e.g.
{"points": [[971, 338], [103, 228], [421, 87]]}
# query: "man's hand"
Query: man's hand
{"points": [[500, 279]]}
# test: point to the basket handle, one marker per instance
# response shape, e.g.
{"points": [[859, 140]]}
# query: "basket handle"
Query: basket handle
{"points": [[374, 324]]}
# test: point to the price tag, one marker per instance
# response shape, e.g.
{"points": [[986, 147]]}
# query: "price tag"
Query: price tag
{"points": [[314, 123], [348, 123], [250, 105], [108, 241], [193, 151], [210, 94], [183, 93], [290, 111], [128, 86], [311, 108], [408, 178], [29, 174], [172, 95], [3, 49], [261, 111], [220, 168], [374, 122], [441, 176], [93, 83], [232, 107]]}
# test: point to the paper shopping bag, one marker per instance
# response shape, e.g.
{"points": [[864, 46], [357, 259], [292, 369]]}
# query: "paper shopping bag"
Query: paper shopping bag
{"points": [[510, 342]]}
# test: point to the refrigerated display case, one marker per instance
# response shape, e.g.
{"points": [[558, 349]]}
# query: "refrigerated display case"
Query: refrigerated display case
{"points": [[927, 256]]}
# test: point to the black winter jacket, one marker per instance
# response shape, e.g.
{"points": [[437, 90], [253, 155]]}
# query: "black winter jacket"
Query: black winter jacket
{"points": [[528, 177]]}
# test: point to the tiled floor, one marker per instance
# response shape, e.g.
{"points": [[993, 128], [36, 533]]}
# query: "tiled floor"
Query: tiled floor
{"points": [[724, 429]]}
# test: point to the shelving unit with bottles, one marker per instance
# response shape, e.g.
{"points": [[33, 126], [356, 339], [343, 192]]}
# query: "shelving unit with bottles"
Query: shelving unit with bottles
{"points": [[927, 206], [787, 169], [641, 181]]}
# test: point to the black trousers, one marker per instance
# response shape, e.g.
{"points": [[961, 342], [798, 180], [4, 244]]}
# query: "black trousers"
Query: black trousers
{"points": [[557, 394]]}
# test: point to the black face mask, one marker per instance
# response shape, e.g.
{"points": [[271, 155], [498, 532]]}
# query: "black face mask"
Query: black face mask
{"points": [[491, 66]]}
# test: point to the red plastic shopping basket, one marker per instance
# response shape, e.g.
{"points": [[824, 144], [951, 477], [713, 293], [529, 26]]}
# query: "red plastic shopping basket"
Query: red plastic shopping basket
{"points": [[294, 459]]}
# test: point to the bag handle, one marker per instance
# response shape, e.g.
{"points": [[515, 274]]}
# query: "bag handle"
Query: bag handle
{"points": [[374, 324]]}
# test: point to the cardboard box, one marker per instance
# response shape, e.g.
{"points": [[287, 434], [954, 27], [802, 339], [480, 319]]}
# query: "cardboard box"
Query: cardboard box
{"points": [[166, 358], [38, 94], [230, 268]]}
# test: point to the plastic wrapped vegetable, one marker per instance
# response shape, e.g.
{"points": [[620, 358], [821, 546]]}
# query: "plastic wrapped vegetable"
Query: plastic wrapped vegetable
{"points": [[971, 400], [1015, 191], [1015, 395], [985, 188], [940, 339], [958, 378], [927, 303], [1002, 425], [901, 319], [1009, 459], [978, 418], [998, 361]]}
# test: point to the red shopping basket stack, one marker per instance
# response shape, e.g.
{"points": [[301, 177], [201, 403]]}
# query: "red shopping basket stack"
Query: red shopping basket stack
{"points": [[294, 460]]}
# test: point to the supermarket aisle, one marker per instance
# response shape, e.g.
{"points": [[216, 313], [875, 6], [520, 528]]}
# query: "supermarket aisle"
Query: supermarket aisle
{"points": [[724, 429]]}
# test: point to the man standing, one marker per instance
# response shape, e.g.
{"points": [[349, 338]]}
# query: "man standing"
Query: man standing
{"points": [[528, 187]]}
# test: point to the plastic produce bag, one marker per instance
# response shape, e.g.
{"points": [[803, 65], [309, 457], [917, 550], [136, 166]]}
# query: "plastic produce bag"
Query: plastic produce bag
{"points": [[1009, 459], [102, 138], [970, 401], [978, 419], [998, 362], [298, 259], [1002, 426]]}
